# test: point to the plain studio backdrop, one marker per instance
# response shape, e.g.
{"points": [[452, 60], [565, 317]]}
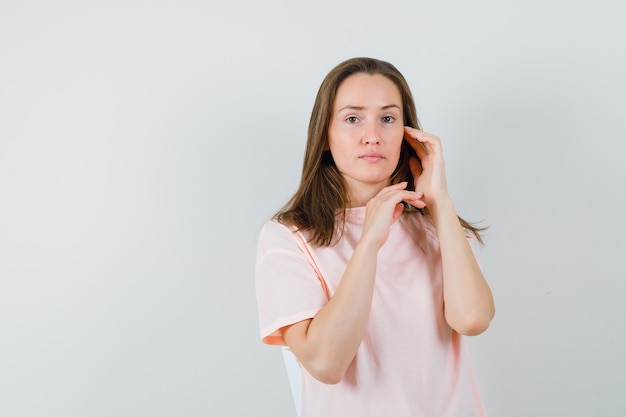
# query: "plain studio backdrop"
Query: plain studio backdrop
{"points": [[143, 143]]}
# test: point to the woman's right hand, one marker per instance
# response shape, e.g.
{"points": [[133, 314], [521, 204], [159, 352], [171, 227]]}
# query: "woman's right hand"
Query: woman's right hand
{"points": [[384, 209]]}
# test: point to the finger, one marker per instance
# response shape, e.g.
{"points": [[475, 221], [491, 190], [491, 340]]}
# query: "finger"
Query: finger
{"points": [[392, 193], [415, 199], [394, 187], [417, 203], [397, 211], [411, 135], [430, 141], [395, 196]]}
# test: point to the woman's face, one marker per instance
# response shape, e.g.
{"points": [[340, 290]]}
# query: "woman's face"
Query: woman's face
{"points": [[365, 133]]}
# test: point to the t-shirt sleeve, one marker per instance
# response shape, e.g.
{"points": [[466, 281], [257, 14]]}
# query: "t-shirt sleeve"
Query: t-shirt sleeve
{"points": [[289, 288]]}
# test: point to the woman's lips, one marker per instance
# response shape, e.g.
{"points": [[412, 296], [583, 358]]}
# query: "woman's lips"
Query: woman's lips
{"points": [[371, 157]]}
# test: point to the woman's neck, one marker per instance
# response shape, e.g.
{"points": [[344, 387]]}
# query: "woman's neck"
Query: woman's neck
{"points": [[360, 194]]}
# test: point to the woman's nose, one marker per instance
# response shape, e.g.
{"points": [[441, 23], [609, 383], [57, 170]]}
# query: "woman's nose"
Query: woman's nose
{"points": [[371, 135]]}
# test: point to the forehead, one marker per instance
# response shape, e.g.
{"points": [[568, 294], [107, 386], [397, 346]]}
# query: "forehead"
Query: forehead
{"points": [[365, 90]]}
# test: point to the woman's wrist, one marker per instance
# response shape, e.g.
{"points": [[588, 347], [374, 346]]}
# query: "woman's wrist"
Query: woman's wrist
{"points": [[441, 209]]}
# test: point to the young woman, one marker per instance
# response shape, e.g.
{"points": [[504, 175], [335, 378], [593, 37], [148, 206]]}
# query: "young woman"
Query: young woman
{"points": [[367, 273]]}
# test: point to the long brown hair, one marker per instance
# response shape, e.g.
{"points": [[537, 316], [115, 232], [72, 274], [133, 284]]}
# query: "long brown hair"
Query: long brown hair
{"points": [[319, 204]]}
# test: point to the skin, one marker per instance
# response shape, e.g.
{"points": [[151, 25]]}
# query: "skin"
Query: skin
{"points": [[365, 135]]}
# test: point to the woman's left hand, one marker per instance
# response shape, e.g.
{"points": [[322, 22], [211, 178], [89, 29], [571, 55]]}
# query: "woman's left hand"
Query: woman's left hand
{"points": [[429, 175], [467, 298]]}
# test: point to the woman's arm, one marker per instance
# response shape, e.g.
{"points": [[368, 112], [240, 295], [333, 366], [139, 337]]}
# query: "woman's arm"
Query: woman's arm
{"points": [[468, 302], [327, 343]]}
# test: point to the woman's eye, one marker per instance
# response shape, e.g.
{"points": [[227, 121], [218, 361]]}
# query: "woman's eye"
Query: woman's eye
{"points": [[352, 119], [388, 119]]}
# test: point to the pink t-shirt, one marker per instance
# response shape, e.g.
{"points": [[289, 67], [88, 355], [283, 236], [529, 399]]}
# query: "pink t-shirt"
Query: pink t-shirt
{"points": [[410, 362]]}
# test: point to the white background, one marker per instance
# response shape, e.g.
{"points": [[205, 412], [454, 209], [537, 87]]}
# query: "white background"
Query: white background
{"points": [[142, 144]]}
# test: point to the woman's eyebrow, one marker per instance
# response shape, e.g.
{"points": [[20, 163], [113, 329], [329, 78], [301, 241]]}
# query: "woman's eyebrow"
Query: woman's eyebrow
{"points": [[351, 107]]}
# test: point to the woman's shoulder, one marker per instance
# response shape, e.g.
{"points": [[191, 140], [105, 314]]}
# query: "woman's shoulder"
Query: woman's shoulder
{"points": [[273, 225], [274, 233]]}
